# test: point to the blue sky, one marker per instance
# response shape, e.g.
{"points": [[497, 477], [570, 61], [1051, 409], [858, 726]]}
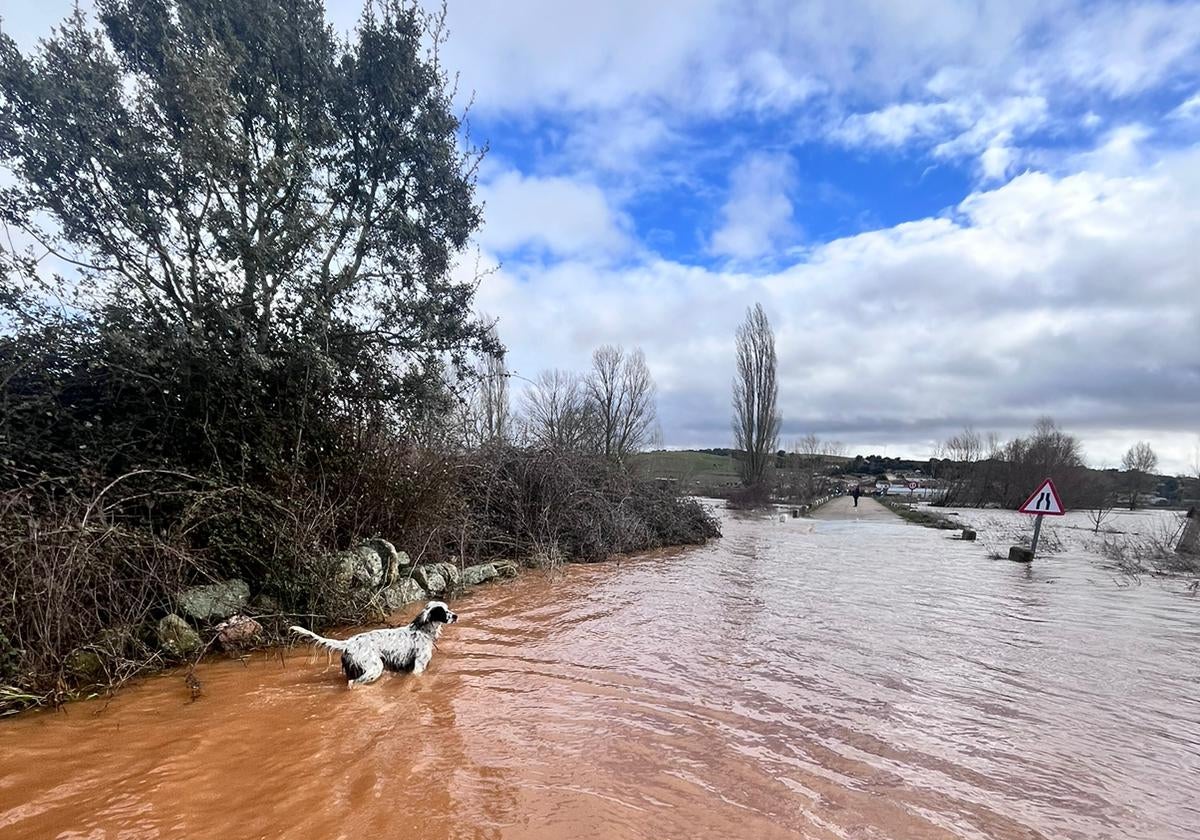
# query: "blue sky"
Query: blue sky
{"points": [[953, 212]]}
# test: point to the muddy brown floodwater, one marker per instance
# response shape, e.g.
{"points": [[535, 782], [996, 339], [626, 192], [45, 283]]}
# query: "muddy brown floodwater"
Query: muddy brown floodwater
{"points": [[794, 679]]}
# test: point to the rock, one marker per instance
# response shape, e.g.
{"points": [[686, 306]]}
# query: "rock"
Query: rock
{"points": [[214, 600], [452, 575], [505, 568], [265, 604], [360, 567], [1020, 554], [176, 636], [475, 575], [118, 641], [86, 666], [238, 632], [402, 592], [968, 535], [430, 579], [389, 556]]}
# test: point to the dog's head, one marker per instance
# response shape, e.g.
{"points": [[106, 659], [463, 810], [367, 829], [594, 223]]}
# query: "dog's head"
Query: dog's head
{"points": [[436, 612]]}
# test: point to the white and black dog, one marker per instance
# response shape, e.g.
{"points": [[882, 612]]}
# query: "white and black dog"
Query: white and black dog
{"points": [[366, 656]]}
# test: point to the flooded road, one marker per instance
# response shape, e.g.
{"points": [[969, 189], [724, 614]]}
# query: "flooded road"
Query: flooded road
{"points": [[835, 679]]}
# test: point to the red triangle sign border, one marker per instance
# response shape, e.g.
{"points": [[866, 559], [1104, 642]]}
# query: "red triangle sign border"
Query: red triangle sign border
{"points": [[1027, 507]]}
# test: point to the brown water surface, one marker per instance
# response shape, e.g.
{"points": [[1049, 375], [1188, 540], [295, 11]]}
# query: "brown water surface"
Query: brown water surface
{"points": [[794, 679]]}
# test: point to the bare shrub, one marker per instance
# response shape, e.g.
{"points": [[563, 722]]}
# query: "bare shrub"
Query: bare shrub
{"points": [[748, 498], [1152, 554], [527, 503]]}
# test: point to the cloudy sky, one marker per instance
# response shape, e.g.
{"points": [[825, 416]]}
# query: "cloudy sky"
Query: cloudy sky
{"points": [[954, 212]]}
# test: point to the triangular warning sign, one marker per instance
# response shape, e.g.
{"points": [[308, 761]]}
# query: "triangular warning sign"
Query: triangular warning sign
{"points": [[1045, 501]]}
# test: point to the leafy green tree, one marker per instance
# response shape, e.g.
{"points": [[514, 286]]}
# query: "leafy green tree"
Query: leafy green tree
{"points": [[264, 218]]}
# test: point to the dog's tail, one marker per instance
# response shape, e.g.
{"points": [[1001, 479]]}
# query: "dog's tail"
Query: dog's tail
{"points": [[331, 644]]}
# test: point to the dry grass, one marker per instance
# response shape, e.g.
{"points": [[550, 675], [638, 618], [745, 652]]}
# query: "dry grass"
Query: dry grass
{"points": [[1153, 553]]}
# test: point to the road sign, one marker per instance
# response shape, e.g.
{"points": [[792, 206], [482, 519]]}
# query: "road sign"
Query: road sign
{"points": [[1045, 501], [912, 485]]}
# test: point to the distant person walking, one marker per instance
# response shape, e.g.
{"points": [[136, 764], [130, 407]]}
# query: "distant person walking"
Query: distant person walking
{"points": [[855, 493]]}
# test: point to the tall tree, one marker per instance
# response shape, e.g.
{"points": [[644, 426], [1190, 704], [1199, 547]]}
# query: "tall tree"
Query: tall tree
{"points": [[234, 174], [556, 412], [756, 419], [488, 412], [495, 409], [621, 391], [1139, 462]]}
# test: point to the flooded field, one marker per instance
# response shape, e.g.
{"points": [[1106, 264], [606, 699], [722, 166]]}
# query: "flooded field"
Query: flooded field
{"points": [[840, 679]]}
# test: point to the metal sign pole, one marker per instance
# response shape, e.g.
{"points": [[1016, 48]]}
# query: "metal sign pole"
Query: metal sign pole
{"points": [[1037, 531]]}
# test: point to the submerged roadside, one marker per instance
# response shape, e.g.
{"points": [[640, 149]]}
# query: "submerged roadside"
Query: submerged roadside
{"points": [[98, 602]]}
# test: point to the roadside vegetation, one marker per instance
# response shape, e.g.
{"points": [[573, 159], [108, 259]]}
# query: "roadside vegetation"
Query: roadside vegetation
{"points": [[926, 516], [234, 339]]}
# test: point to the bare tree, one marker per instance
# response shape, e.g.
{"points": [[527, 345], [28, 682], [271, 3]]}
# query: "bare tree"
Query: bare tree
{"points": [[966, 447], [963, 475], [495, 412], [621, 394], [486, 410], [756, 419], [833, 449], [1138, 463], [556, 412], [809, 445]]}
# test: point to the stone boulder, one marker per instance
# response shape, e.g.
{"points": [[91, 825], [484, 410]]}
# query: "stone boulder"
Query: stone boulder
{"points": [[1020, 554], [118, 640], [239, 632], [505, 568], [392, 559], [265, 604], [360, 567], [401, 593], [430, 579], [968, 535], [86, 666], [214, 601], [452, 575], [176, 636], [475, 575]]}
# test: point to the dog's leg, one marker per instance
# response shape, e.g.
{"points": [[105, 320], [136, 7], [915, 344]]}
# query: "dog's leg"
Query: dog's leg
{"points": [[372, 670], [421, 659]]}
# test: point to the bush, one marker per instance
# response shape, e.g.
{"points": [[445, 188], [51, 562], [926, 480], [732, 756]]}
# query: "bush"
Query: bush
{"points": [[82, 576], [521, 503]]}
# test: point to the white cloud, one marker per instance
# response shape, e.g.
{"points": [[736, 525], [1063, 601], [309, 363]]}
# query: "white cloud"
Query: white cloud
{"points": [[756, 219], [1061, 295], [1188, 110], [900, 123], [1120, 151], [558, 215], [1123, 49], [960, 128]]}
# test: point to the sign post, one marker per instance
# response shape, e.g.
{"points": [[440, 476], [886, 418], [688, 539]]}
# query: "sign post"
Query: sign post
{"points": [[1043, 502]]}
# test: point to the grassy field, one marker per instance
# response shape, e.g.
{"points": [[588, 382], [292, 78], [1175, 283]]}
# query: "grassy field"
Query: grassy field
{"points": [[690, 469]]}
